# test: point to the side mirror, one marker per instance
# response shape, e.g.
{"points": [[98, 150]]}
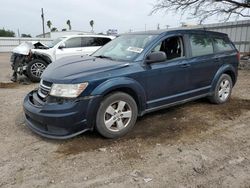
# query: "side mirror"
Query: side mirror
{"points": [[155, 57], [62, 45]]}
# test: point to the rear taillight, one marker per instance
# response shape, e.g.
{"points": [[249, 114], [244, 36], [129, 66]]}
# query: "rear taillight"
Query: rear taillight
{"points": [[238, 56]]}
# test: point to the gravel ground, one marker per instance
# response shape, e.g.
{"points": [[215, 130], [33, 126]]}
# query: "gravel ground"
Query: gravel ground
{"points": [[192, 145], [5, 67]]}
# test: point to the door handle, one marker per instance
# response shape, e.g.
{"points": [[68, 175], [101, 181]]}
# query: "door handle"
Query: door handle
{"points": [[185, 65], [78, 50]]}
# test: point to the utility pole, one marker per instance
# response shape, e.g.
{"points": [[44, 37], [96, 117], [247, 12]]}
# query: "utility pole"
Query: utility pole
{"points": [[18, 33], [43, 23], [158, 26]]}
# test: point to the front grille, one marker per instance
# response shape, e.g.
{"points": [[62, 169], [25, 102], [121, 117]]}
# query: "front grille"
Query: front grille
{"points": [[44, 89], [46, 83]]}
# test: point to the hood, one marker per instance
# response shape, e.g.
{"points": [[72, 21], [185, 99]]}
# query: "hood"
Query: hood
{"points": [[73, 68], [25, 47]]}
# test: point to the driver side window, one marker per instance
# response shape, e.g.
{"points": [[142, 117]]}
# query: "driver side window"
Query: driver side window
{"points": [[173, 47]]}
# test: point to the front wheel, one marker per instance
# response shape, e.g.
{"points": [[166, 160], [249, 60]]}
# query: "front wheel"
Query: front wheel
{"points": [[35, 69], [223, 90], [116, 115]]}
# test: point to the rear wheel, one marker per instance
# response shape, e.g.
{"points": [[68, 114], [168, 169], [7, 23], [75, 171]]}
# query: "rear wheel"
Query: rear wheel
{"points": [[223, 90], [116, 115], [35, 69]]}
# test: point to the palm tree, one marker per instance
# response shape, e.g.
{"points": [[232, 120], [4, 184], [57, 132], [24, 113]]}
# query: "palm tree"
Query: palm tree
{"points": [[49, 24], [69, 24], [91, 23]]}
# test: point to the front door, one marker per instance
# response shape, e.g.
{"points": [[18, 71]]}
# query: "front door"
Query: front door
{"points": [[167, 81], [73, 46]]}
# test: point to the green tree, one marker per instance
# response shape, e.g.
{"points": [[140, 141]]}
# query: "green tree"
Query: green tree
{"points": [[26, 35], [202, 10], [49, 24], [91, 23], [69, 24], [6, 33]]}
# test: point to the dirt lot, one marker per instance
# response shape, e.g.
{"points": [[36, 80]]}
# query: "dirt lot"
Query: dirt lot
{"points": [[193, 145]]}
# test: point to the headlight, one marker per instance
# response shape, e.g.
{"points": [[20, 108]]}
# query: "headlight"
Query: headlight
{"points": [[68, 90]]}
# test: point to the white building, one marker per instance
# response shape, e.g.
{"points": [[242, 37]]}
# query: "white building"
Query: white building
{"points": [[56, 34]]}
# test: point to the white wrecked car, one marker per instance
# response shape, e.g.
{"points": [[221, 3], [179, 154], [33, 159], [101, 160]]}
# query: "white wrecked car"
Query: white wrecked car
{"points": [[31, 58]]}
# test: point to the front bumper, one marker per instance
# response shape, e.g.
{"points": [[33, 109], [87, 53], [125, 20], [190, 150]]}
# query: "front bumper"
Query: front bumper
{"points": [[18, 63], [12, 57], [60, 120], [12, 60]]}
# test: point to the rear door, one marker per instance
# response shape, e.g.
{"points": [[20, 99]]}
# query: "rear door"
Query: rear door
{"points": [[203, 63], [91, 44]]}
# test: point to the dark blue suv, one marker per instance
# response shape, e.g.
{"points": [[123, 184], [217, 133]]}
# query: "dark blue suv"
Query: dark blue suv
{"points": [[130, 76]]}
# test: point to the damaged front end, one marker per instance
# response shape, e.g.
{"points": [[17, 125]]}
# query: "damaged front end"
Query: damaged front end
{"points": [[19, 62], [22, 55]]}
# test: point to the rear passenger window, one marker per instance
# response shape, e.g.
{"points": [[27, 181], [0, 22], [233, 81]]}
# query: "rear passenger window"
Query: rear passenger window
{"points": [[201, 45], [73, 43], [222, 45], [94, 41], [87, 41]]}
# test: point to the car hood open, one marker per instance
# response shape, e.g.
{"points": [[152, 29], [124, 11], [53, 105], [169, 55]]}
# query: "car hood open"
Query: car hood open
{"points": [[72, 68]]}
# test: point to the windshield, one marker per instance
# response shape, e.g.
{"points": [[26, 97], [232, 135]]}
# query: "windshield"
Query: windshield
{"points": [[125, 47], [55, 42]]}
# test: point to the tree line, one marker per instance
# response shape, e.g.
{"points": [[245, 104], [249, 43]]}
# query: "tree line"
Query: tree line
{"points": [[9, 33]]}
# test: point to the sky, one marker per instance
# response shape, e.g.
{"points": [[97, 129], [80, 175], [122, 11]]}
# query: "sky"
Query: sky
{"points": [[125, 15]]}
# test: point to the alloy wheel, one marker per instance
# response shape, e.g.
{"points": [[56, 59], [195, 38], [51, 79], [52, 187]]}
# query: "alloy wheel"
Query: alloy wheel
{"points": [[224, 90], [37, 69], [117, 116]]}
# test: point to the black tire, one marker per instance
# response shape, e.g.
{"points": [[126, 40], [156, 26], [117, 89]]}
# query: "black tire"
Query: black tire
{"points": [[25, 74], [113, 101], [31, 67], [217, 97]]}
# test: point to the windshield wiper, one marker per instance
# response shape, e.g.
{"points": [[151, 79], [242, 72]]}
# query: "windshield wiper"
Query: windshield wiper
{"points": [[104, 57]]}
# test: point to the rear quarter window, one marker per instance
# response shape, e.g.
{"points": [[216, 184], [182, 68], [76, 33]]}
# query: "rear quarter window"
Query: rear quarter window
{"points": [[200, 45], [222, 44]]}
